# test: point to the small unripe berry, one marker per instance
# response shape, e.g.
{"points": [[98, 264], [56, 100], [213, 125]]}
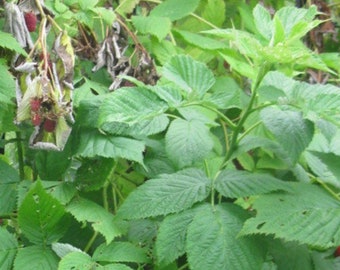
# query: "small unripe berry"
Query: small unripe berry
{"points": [[31, 21], [50, 125], [36, 119]]}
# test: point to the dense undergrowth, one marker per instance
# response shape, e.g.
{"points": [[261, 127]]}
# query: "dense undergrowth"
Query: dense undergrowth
{"points": [[169, 135]]}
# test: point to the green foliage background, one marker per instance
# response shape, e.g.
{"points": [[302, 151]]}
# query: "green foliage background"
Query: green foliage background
{"points": [[231, 161]]}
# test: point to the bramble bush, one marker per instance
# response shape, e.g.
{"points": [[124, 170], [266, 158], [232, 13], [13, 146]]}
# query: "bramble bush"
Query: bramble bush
{"points": [[169, 135]]}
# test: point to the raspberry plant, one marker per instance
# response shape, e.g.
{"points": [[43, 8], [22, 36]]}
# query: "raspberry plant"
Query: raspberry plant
{"points": [[181, 140]]}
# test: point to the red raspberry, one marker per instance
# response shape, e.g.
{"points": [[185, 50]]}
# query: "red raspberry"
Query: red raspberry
{"points": [[50, 125], [31, 21], [36, 119], [35, 104]]}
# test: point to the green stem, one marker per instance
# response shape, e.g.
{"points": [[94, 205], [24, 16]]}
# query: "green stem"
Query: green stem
{"points": [[324, 185], [225, 132], [262, 106], [105, 198], [91, 241], [204, 21], [248, 131], [247, 112], [207, 172], [114, 198], [220, 114], [20, 156], [185, 266]]}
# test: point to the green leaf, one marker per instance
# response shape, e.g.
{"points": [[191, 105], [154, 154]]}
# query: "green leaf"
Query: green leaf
{"points": [[325, 104], [236, 184], [9, 178], [157, 26], [278, 36], [187, 142], [108, 15], [63, 249], [164, 50], [142, 231], [169, 193], [214, 12], [291, 16], [63, 191], [301, 29], [7, 113], [52, 165], [102, 221], [92, 144], [130, 105], [116, 266], [289, 128], [192, 76], [120, 252], [290, 255], [313, 99], [77, 261], [141, 129], [7, 85], [239, 64], [9, 42], [200, 41], [35, 258], [263, 22], [324, 260], [42, 218], [226, 94], [126, 6], [8, 249], [212, 241], [88, 111], [175, 9], [93, 173], [156, 161], [325, 166], [89, 91], [169, 94], [309, 215], [200, 114], [171, 237], [246, 43], [87, 4]]}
